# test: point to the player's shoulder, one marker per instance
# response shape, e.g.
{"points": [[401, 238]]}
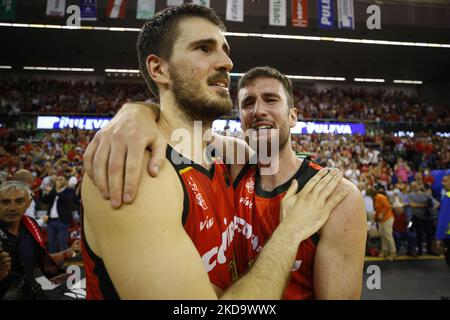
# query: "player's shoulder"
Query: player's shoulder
{"points": [[157, 198], [350, 213], [354, 200]]}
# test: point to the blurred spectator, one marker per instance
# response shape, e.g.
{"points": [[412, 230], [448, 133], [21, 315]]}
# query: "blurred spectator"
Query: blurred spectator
{"points": [[385, 217], [352, 173], [22, 250], [443, 227], [372, 156], [61, 201], [427, 178], [373, 234], [368, 200], [402, 171], [421, 206], [27, 178], [402, 225]]}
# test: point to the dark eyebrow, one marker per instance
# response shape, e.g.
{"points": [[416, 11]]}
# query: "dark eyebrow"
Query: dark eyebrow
{"points": [[210, 42], [270, 95]]}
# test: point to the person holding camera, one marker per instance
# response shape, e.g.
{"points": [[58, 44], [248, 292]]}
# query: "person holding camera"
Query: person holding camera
{"points": [[22, 247]]}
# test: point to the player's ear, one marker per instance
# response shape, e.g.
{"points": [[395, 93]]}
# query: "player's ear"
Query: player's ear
{"points": [[292, 117], [158, 69]]}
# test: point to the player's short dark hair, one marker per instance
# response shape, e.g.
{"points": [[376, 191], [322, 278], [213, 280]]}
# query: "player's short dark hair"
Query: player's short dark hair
{"points": [[160, 32], [271, 73]]}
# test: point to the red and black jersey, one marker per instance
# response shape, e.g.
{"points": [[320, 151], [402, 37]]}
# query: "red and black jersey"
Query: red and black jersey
{"points": [[208, 218], [259, 215]]}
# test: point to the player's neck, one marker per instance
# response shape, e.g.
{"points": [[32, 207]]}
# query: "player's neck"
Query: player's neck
{"points": [[187, 136], [288, 165]]}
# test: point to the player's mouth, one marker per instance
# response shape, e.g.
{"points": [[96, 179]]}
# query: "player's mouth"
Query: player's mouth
{"points": [[220, 85], [263, 125]]}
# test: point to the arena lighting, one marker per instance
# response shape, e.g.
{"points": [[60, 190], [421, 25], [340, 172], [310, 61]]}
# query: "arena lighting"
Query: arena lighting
{"points": [[123, 70], [408, 81], [57, 26], [316, 78], [443, 134], [58, 69], [5, 67], [301, 77], [241, 34], [368, 80]]}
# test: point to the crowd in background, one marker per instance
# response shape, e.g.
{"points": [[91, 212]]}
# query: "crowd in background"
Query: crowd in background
{"points": [[391, 172], [355, 103], [394, 176], [398, 167], [55, 96], [52, 165]]}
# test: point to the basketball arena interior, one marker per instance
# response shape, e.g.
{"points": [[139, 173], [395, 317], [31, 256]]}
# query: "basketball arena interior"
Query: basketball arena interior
{"points": [[371, 88]]}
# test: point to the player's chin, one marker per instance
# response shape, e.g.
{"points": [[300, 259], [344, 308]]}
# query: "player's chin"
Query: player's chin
{"points": [[223, 103]]}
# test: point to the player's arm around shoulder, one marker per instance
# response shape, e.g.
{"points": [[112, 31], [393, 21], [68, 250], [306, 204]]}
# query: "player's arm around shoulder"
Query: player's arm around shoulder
{"points": [[339, 260], [146, 251], [235, 152]]}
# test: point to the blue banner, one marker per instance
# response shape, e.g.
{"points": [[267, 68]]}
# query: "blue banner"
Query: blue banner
{"points": [[302, 127], [96, 123], [88, 10], [325, 9], [58, 122], [329, 127]]}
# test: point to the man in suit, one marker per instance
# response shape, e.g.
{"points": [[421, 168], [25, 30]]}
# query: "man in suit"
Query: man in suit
{"points": [[60, 199]]}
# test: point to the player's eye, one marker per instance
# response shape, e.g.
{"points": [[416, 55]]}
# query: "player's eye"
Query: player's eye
{"points": [[204, 48]]}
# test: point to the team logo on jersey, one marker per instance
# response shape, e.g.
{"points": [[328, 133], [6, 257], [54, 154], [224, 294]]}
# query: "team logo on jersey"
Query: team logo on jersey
{"points": [[250, 185], [198, 196]]}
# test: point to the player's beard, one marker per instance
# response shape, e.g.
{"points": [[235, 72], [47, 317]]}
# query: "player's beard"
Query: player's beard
{"points": [[284, 138], [194, 100]]}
